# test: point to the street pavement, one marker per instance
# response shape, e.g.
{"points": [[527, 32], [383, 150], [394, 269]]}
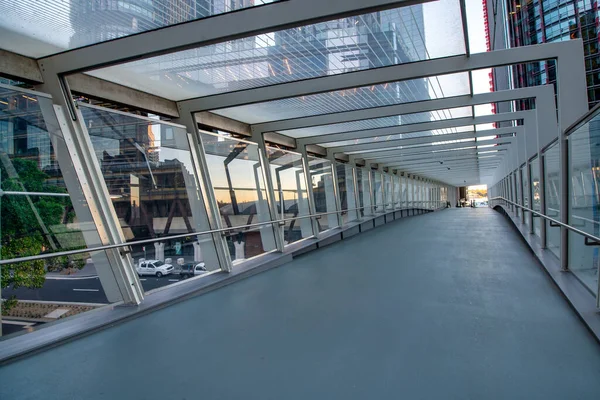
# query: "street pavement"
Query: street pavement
{"points": [[79, 290], [11, 326]]}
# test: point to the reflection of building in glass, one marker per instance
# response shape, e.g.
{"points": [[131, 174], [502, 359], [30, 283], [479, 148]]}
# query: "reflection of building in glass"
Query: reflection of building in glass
{"points": [[128, 153], [23, 134], [99, 20], [343, 45], [534, 22], [149, 194]]}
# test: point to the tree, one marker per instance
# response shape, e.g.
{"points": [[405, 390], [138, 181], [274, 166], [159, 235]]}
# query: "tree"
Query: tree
{"points": [[22, 233]]}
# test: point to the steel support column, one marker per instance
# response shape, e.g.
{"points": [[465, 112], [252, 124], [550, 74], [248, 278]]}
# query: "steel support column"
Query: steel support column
{"points": [[542, 190], [208, 211], [115, 268], [278, 231]]}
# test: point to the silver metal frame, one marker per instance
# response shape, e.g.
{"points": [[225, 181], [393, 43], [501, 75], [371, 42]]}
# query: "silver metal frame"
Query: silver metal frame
{"points": [[540, 126], [568, 227]]}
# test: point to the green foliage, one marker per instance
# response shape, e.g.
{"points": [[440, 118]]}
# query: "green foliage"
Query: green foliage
{"points": [[28, 274], [18, 219], [21, 232]]}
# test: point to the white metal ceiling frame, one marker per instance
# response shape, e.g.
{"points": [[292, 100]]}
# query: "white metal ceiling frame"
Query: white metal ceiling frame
{"points": [[517, 145], [569, 56], [566, 53], [551, 131], [457, 157], [569, 87], [386, 131], [453, 102], [421, 149], [519, 115], [356, 148], [219, 28], [442, 173]]}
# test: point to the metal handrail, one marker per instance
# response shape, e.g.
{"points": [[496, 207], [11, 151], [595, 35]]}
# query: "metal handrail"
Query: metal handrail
{"points": [[552, 220], [18, 193], [279, 222]]}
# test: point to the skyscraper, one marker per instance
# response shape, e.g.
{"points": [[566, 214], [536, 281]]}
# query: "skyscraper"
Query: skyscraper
{"points": [[514, 23]]}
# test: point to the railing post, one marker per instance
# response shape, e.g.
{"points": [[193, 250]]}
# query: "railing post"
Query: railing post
{"points": [[564, 200], [542, 190], [512, 191], [356, 189], [278, 232], [309, 190], [522, 200], [516, 199], [336, 188], [530, 196], [371, 186]]}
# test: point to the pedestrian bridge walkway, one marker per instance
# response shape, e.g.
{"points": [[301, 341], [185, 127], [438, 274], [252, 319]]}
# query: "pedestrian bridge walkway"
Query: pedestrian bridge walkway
{"points": [[447, 305]]}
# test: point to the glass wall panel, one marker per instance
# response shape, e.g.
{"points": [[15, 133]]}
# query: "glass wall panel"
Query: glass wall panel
{"points": [[536, 201], [377, 186], [552, 192], [525, 188], [519, 187], [29, 164], [291, 196], [42, 210], [411, 191], [388, 191], [238, 181], [321, 178], [397, 192], [584, 168], [148, 169], [428, 196], [364, 191], [404, 183], [345, 176]]}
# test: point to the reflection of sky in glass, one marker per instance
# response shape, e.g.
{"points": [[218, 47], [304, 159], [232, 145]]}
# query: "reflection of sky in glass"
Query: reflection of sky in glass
{"points": [[243, 166]]}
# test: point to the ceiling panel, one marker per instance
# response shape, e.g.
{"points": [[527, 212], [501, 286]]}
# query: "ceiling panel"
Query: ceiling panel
{"points": [[351, 99], [384, 38]]}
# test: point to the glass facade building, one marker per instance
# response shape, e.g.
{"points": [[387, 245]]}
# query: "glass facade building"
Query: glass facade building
{"points": [[534, 22]]}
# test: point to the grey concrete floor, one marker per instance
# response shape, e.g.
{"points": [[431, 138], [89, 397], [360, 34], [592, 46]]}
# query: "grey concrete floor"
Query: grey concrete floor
{"points": [[449, 305]]}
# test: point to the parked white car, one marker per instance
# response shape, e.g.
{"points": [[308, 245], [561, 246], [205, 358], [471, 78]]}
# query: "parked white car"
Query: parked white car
{"points": [[153, 267]]}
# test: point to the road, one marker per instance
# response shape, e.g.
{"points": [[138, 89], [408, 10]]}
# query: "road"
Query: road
{"points": [[11, 326], [80, 290]]}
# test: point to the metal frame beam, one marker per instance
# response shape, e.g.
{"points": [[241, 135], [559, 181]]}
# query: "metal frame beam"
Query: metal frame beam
{"points": [[570, 78], [442, 163], [427, 151], [19, 67], [357, 148], [405, 108], [119, 280], [216, 29], [411, 128]]}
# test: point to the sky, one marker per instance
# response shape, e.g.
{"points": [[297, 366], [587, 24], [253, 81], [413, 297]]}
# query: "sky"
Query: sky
{"points": [[477, 42]]}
